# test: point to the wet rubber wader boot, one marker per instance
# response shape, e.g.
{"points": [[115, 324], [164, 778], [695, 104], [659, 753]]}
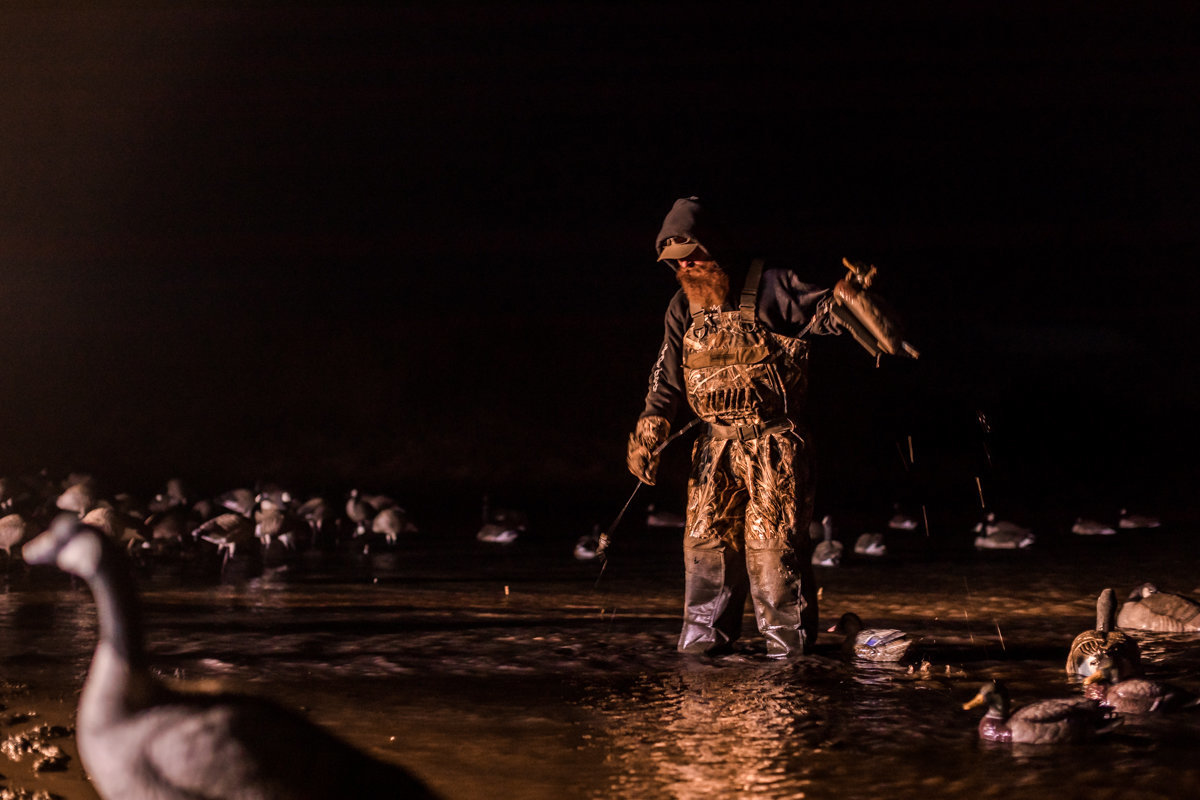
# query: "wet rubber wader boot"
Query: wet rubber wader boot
{"points": [[749, 492]]}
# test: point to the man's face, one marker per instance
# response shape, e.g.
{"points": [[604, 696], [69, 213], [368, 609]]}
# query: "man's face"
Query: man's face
{"points": [[698, 260]]}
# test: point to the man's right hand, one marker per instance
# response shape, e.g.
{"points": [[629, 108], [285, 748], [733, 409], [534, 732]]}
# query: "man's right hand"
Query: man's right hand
{"points": [[642, 455]]}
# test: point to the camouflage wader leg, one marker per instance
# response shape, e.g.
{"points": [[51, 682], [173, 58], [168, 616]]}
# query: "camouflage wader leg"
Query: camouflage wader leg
{"points": [[715, 586], [778, 550]]}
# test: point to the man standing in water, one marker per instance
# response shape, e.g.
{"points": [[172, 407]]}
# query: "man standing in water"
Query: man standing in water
{"points": [[734, 348]]}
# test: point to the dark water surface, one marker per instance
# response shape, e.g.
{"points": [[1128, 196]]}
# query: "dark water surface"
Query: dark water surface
{"points": [[506, 672]]}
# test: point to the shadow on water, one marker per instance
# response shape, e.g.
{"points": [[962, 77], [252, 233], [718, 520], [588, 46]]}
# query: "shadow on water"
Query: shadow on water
{"points": [[510, 673]]}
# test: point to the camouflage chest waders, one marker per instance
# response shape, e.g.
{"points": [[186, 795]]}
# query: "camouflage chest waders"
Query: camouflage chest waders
{"points": [[749, 491]]}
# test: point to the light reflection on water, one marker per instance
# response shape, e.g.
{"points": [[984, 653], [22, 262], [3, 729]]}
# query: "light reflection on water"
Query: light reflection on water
{"points": [[558, 688]]}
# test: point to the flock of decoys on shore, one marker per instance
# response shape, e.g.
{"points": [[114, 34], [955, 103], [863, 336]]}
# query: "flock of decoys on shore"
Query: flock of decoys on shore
{"points": [[267, 524]]}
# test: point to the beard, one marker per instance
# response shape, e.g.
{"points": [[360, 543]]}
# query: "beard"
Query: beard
{"points": [[705, 285]]}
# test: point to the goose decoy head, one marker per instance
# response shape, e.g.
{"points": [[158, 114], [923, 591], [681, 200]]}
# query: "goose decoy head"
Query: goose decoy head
{"points": [[72, 545]]}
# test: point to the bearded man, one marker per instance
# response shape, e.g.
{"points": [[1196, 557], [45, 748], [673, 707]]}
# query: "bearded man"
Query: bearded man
{"points": [[735, 350]]}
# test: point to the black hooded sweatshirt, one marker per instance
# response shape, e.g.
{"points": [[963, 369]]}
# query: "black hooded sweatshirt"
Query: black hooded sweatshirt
{"points": [[786, 304]]}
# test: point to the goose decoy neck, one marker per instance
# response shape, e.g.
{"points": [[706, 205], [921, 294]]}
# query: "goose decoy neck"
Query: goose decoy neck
{"points": [[1106, 611], [86, 552]]}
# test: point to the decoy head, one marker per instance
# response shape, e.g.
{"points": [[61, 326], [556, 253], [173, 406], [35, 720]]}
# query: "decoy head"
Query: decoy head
{"points": [[1105, 670], [1143, 591], [849, 624], [994, 694], [70, 544]]}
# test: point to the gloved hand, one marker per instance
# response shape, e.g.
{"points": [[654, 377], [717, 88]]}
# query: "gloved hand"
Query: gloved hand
{"points": [[641, 459]]}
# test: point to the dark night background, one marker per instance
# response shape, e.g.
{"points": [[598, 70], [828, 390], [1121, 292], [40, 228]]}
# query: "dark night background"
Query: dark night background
{"points": [[411, 246]]}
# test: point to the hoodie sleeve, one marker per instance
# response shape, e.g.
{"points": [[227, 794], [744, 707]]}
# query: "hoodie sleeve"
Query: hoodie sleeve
{"points": [[791, 306], [665, 395]]}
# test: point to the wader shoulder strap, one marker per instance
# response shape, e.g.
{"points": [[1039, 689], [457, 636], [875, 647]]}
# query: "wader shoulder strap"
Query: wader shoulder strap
{"points": [[750, 291]]}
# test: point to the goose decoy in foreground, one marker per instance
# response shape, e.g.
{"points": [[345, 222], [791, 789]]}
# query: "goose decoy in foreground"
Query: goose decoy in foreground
{"points": [[1105, 640], [828, 551], [142, 739], [872, 644], [1061, 720], [1109, 686], [1149, 609]]}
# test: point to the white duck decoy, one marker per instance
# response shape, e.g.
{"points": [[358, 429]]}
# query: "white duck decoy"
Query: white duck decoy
{"points": [[1061, 720], [140, 738], [870, 544], [872, 644], [902, 521], [1130, 521], [1002, 535], [586, 545], [828, 551], [1104, 642], [1091, 527], [1149, 609]]}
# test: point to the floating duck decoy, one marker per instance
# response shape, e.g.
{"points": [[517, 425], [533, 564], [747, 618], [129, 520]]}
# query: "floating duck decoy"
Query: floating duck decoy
{"points": [[585, 546], [870, 544], [663, 519], [140, 737], [1091, 527], [1061, 720], [1150, 609], [1109, 686], [828, 551], [500, 525], [1002, 535], [1135, 521], [872, 644], [1104, 642], [902, 521]]}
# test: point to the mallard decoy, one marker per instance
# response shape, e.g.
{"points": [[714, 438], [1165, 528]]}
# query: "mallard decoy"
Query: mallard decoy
{"points": [[1105, 640], [140, 737], [828, 551], [1061, 720], [1110, 686], [1149, 609], [871, 644]]}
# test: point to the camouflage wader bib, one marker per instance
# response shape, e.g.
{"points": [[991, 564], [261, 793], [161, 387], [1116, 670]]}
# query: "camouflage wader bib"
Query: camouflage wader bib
{"points": [[749, 491]]}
